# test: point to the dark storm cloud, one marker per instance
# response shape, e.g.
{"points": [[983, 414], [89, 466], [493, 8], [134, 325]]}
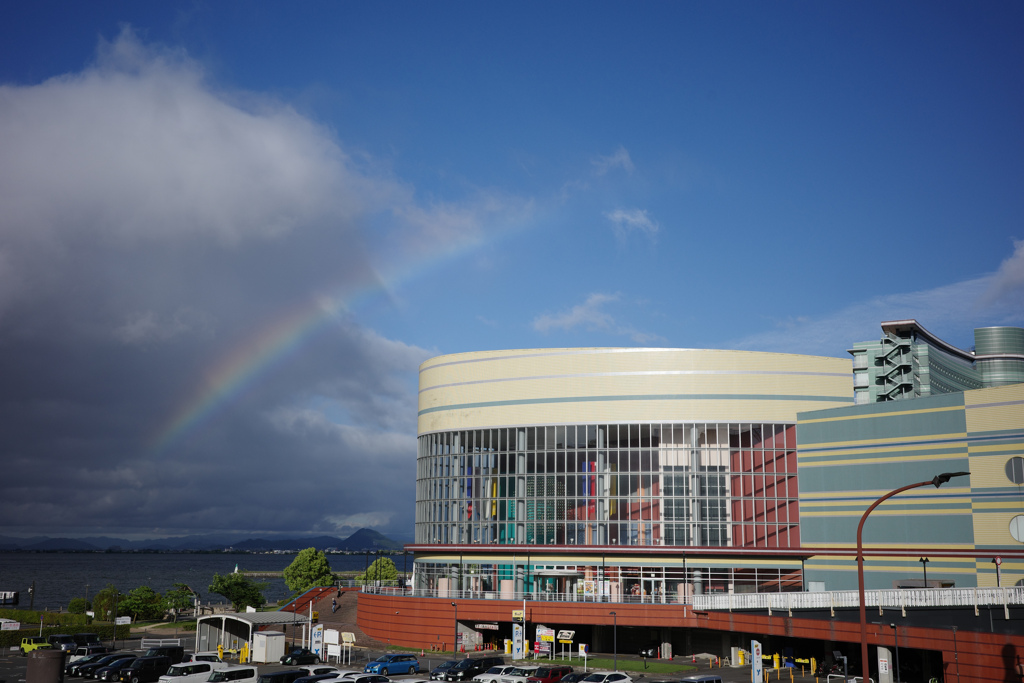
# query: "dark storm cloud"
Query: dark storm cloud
{"points": [[150, 225]]}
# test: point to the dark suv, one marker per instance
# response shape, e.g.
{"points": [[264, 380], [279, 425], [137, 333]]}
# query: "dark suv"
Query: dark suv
{"points": [[175, 653], [467, 668], [145, 670]]}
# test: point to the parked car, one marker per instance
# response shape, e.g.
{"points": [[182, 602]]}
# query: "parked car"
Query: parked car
{"points": [[83, 651], [319, 669], [33, 643], [494, 674], [370, 678], [607, 677], [86, 639], [520, 674], [438, 672], [89, 670], [701, 678], [201, 657], [650, 650], [73, 664], [574, 677], [286, 676], [113, 671], [235, 673], [300, 655], [466, 669], [192, 672], [550, 674], [62, 641], [175, 653], [145, 669], [387, 665], [314, 678]]}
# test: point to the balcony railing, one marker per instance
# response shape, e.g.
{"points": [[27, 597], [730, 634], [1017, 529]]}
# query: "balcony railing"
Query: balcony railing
{"points": [[902, 598]]}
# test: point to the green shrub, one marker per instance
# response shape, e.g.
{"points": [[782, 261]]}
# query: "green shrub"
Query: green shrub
{"points": [[10, 639]]}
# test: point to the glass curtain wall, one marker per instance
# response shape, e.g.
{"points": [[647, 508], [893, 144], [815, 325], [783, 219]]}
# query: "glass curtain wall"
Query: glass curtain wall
{"points": [[702, 485]]}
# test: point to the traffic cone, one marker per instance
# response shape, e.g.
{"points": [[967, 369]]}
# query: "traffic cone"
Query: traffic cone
{"points": [[694, 658], [422, 653]]}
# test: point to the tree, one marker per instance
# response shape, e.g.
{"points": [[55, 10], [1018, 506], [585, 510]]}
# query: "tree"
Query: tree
{"points": [[179, 598], [143, 603], [103, 602], [382, 569], [78, 606], [239, 589], [309, 569]]}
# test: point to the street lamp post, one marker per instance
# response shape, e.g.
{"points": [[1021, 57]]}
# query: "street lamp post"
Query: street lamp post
{"points": [[455, 643], [924, 565], [937, 481], [615, 639], [896, 635]]}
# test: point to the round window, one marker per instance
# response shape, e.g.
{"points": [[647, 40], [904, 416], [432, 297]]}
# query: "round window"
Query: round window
{"points": [[1015, 470], [1017, 528]]}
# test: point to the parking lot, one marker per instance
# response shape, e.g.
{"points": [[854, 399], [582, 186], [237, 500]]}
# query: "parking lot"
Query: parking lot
{"points": [[13, 667]]}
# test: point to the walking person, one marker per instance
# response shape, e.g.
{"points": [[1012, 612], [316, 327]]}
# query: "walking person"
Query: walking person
{"points": [[334, 605]]}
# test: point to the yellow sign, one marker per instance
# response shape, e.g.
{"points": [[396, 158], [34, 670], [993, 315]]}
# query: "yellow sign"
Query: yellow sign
{"points": [[518, 615]]}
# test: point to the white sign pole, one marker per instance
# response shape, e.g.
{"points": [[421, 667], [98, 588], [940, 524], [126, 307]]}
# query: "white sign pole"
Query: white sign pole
{"points": [[756, 665]]}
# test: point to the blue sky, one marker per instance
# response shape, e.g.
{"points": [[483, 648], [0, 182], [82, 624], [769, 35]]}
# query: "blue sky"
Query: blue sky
{"points": [[231, 231]]}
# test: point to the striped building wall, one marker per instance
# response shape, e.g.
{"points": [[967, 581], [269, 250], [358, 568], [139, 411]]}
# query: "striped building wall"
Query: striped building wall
{"points": [[591, 386], [848, 457]]}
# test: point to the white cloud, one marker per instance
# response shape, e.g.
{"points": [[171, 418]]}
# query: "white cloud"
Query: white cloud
{"points": [[590, 316], [626, 221], [1007, 285], [950, 311], [617, 159]]}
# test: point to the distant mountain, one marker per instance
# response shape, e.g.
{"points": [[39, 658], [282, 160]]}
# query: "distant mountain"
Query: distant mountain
{"points": [[364, 539]]}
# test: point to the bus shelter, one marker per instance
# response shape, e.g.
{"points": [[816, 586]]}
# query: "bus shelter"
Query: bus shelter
{"points": [[234, 629]]}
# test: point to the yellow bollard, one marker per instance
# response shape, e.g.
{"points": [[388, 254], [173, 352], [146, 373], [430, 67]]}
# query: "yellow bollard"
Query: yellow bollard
{"points": [[775, 660], [742, 656], [814, 667], [220, 651]]}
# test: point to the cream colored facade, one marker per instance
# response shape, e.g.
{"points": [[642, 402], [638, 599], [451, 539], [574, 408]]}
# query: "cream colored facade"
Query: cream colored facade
{"points": [[593, 386]]}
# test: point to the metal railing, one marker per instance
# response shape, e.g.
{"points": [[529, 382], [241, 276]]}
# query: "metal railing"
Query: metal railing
{"points": [[900, 598]]}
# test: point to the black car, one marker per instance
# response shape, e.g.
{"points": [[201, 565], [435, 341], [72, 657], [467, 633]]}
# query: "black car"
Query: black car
{"points": [[72, 668], [300, 655], [113, 672], [574, 677], [466, 669], [438, 672], [287, 676], [175, 653], [87, 670], [650, 650], [145, 669], [309, 679]]}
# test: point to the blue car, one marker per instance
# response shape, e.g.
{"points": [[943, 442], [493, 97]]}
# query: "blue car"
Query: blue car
{"points": [[387, 665]]}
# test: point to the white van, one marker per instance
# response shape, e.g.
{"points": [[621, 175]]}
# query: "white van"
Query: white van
{"points": [[191, 672], [234, 674]]}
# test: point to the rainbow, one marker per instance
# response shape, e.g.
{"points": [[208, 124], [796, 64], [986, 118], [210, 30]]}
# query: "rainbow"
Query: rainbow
{"points": [[245, 365]]}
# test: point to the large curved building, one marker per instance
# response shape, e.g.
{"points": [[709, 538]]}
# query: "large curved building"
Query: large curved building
{"points": [[588, 455], [701, 499]]}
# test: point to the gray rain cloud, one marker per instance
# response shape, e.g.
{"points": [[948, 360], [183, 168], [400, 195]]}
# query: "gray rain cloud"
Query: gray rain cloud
{"points": [[151, 227]]}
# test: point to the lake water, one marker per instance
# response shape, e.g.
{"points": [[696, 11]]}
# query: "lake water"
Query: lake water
{"points": [[60, 577]]}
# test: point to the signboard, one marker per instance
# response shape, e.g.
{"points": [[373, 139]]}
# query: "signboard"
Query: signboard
{"points": [[546, 635], [122, 621], [566, 636], [347, 637], [517, 641], [486, 627], [756, 665], [518, 615], [317, 641], [590, 587], [331, 637], [10, 626]]}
